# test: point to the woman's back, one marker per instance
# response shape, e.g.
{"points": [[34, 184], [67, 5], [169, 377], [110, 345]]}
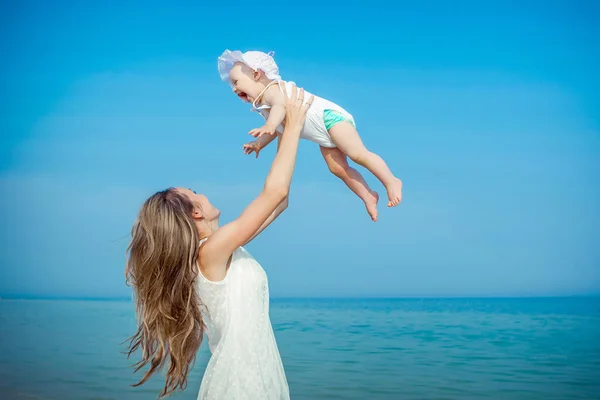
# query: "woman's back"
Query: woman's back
{"points": [[175, 305], [245, 362]]}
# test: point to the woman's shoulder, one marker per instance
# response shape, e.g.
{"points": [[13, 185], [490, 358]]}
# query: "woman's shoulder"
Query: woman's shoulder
{"points": [[212, 270]]}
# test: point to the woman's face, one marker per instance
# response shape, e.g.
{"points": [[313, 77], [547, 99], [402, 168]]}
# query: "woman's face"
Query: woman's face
{"points": [[202, 206]]}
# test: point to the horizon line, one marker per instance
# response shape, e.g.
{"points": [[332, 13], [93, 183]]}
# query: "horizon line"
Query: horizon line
{"points": [[276, 298]]}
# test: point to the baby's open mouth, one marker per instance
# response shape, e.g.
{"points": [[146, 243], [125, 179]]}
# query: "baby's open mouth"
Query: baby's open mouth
{"points": [[243, 96]]}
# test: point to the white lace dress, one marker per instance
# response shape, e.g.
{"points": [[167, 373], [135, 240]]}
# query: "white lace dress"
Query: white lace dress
{"points": [[245, 361]]}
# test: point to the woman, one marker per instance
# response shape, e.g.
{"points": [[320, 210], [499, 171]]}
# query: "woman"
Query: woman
{"points": [[191, 277]]}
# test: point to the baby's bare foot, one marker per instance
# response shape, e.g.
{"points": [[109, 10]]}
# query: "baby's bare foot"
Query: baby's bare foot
{"points": [[371, 204], [394, 192]]}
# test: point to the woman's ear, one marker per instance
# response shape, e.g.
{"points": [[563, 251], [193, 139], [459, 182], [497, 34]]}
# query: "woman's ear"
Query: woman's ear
{"points": [[197, 214]]}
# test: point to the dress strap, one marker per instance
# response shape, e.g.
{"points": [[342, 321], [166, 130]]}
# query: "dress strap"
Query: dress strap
{"points": [[263, 107]]}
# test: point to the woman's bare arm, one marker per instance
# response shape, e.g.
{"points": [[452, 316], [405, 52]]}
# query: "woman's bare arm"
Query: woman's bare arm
{"points": [[280, 208], [218, 248]]}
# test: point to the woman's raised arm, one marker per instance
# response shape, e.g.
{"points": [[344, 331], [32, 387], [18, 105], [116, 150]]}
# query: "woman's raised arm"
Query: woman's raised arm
{"points": [[218, 248]]}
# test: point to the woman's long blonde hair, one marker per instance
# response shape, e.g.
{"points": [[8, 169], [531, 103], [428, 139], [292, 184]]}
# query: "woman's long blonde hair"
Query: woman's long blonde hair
{"points": [[161, 268]]}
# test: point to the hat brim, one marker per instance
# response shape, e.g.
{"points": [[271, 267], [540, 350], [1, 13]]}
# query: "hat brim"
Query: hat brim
{"points": [[226, 62]]}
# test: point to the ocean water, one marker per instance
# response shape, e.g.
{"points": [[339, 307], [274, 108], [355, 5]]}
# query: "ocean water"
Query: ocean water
{"points": [[545, 348]]}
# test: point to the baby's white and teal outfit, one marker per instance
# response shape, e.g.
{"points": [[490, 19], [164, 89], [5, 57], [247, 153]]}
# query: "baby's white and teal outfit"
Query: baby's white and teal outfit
{"points": [[320, 117]]}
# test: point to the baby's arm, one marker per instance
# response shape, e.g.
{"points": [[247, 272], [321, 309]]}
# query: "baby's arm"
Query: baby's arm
{"points": [[264, 140], [257, 145], [274, 98]]}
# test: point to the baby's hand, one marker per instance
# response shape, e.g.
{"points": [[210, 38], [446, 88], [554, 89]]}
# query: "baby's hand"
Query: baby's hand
{"points": [[252, 147], [265, 129]]}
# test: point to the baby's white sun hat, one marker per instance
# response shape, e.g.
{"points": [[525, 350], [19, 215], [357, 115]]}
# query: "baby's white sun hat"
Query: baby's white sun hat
{"points": [[257, 60]]}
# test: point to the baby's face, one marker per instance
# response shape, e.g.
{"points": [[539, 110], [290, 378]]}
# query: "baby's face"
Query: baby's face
{"points": [[244, 84]]}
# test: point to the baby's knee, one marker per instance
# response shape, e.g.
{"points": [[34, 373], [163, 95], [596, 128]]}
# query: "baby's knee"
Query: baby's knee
{"points": [[359, 156], [336, 169]]}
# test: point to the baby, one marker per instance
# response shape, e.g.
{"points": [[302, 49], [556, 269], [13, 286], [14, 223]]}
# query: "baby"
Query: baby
{"points": [[254, 77]]}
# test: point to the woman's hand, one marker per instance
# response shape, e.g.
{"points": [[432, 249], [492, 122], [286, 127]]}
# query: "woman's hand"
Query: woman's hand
{"points": [[295, 108]]}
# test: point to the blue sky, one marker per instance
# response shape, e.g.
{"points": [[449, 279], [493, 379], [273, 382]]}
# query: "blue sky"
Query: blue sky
{"points": [[490, 114]]}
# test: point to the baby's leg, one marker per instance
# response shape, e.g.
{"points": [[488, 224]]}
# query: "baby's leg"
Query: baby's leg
{"points": [[346, 138], [338, 165]]}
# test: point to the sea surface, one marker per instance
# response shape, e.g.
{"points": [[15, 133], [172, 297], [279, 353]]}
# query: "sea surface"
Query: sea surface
{"points": [[541, 348]]}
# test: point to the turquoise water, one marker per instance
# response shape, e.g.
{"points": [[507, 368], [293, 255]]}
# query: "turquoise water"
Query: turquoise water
{"points": [[331, 349]]}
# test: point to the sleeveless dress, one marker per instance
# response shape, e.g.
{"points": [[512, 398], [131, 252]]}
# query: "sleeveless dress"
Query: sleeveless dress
{"points": [[245, 361], [320, 117]]}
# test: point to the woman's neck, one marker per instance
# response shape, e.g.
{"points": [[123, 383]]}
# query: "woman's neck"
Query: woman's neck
{"points": [[206, 230]]}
